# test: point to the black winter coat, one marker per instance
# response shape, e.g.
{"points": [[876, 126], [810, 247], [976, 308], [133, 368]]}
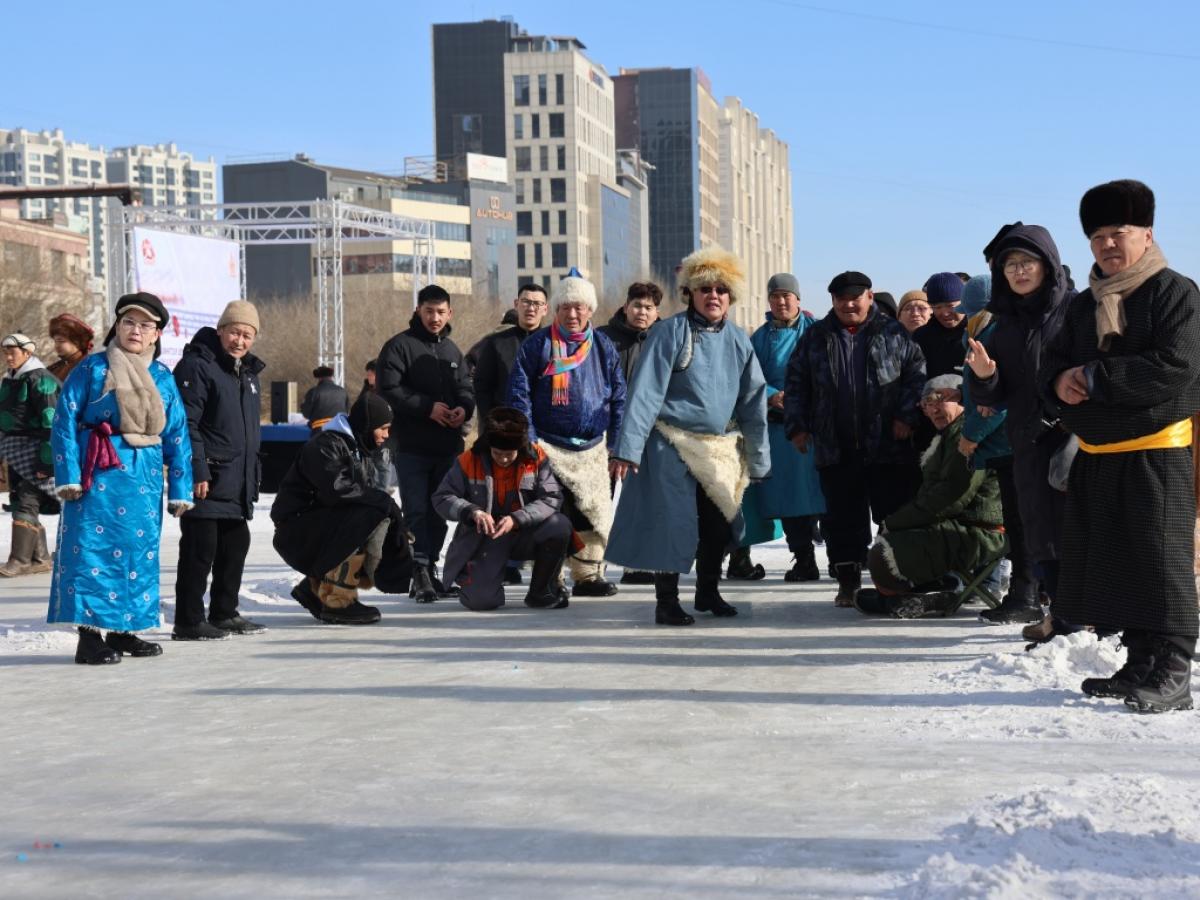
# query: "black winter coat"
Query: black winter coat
{"points": [[325, 507], [942, 347], [1024, 326], [324, 401], [895, 379], [222, 401], [414, 370], [493, 365], [627, 339]]}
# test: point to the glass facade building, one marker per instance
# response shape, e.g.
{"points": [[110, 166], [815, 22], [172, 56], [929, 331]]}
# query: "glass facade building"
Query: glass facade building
{"points": [[468, 87]]}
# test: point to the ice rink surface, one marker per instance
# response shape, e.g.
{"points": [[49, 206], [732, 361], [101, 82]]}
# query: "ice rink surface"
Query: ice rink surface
{"points": [[798, 750]]}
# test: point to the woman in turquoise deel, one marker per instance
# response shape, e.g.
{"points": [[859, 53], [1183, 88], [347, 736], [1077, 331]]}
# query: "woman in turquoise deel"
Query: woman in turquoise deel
{"points": [[793, 492], [119, 421]]}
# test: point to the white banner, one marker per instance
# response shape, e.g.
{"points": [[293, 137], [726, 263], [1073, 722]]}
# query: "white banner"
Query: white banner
{"points": [[195, 277]]}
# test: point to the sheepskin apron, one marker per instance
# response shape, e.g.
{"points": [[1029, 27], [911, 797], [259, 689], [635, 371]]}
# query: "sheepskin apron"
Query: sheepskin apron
{"points": [[716, 461], [585, 474]]}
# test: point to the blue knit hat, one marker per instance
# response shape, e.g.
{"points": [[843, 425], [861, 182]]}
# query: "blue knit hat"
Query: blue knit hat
{"points": [[976, 294], [944, 287]]}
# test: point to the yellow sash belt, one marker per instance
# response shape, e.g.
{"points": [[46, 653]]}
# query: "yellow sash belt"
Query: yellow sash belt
{"points": [[1178, 434]]}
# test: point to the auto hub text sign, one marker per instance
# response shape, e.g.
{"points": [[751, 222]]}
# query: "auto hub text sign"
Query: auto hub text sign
{"points": [[195, 277]]}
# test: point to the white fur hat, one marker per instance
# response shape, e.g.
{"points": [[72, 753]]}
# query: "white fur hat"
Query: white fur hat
{"points": [[574, 289]]}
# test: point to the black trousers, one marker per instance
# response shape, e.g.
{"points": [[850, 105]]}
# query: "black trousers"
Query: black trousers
{"points": [[857, 493], [716, 534], [218, 546], [23, 497], [1024, 581], [419, 477], [799, 533]]}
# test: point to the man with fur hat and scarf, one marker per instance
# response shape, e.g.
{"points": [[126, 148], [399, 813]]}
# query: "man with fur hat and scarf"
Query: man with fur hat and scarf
{"points": [[334, 526], [1123, 373], [695, 435], [567, 382], [28, 394], [506, 502], [73, 339]]}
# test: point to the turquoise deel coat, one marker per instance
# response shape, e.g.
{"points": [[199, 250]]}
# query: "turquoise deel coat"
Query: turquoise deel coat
{"points": [[656, 526], [794, 488], [106, 562]]}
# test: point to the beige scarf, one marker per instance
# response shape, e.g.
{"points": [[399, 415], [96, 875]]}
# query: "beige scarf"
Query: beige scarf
{"points": [[1110, 292], [138, 400]]}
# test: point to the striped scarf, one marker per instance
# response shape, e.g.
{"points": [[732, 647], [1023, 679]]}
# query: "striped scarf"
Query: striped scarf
{"points": [[561, 363]]}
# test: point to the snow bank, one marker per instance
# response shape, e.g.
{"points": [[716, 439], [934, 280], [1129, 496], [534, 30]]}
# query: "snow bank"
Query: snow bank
{"points": [[1100, 836], [35, 639], [1060, 664]]}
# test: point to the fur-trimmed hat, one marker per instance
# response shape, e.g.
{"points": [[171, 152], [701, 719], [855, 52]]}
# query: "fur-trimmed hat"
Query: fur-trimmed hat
{"points": [[713, 265], [74, 329], [574, 288], [1125, 202], [506, 429]]}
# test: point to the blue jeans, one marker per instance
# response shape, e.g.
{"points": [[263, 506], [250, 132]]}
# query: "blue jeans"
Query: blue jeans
{"points": [[419, 476]]}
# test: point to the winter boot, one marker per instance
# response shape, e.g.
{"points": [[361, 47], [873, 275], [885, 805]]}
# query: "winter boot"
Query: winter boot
{"points": [[743, 568], [41, 561], [919, 606], [804, 567], [443, 591], [870, 602], [512, 575], [1138, 665], [709, 599], [849, 579], [422, 590], [1014, 609], [92, 651], [24, 544], [354, 613], [635, 576], [543, 580], [667, 610], [304, 594], [202, 631], [1168, 687], [238, 625], [131, 645]]}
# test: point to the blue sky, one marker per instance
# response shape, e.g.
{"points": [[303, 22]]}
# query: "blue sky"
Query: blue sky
{"points": [[915, 129]]}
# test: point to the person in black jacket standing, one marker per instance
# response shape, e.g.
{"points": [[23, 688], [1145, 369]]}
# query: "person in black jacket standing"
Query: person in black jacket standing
{"points": [[497, 351], [218, 381], [324, 400], [422, 375], [630, 324]]}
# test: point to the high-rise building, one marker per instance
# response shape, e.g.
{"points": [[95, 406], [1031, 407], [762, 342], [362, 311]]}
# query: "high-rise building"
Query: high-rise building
{"points": [[672, 118], [47, 158], [468, 88], [163, 176], [756, 203]]}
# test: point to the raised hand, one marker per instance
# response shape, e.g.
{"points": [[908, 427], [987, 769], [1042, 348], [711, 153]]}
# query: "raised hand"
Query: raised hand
{"points": [[981, 364]]}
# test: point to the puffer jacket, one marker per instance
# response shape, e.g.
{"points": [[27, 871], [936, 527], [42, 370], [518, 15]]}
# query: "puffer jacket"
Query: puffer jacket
{"points": [[597, 394], [895, 379], [223, 404]]}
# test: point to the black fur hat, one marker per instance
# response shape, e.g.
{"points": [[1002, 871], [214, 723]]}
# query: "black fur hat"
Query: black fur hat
{"points": [[1124, 202], [507, 429]]}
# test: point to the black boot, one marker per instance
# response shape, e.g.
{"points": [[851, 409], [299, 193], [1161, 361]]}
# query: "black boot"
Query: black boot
{"points": [[354, 614], [849, 579], [92, 651], [1014, 609], [1168, 687], [443, 591], [804, 567], [304, 594], [666, 593], [1138, 665], [743, 568], [512, 575], [635, 577], [238, 625], [870, 602], [919, 606], [543, 580], [709, 599], [422, 590], [131, 645], [202, 631]]}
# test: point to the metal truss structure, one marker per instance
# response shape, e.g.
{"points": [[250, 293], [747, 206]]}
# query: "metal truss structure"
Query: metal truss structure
{"points": [[328, 225]]}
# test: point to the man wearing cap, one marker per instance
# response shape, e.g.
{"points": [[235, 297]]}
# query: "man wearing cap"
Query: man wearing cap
{"points": [[73, 339], [852, 400], [28, 395], [793, 492], [953, 524], [218, 380], [324, 400], [567, 382], [941, 339], [1123, 374]]}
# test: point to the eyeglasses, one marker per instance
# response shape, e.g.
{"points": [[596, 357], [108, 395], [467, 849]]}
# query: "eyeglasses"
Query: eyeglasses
{"points": [[134, 325], [933, 400], [712, 289], [531, 304], [1013, 266]]}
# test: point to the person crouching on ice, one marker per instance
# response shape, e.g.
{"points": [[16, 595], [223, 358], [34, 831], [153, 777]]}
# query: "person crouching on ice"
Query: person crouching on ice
{"points": [[506, 502], [954, 524], [333, 525]]}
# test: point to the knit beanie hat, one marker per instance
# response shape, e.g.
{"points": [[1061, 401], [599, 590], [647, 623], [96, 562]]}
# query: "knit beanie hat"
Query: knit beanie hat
{"points": [[977, 293], [239, 312], [74, 329], [370, 411], [908, 297], [944, 287], [574, 288], [507, 429]]}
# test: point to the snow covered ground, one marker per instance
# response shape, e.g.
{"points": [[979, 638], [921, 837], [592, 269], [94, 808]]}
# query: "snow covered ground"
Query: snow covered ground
{"points": [[798, 750]]}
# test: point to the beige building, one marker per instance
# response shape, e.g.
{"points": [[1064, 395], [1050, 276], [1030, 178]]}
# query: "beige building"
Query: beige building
{"points": [[163, 175], [756, 204], [559, 112]]}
